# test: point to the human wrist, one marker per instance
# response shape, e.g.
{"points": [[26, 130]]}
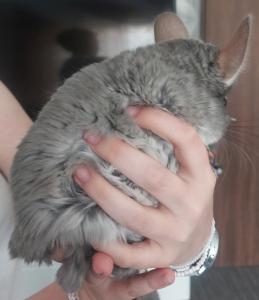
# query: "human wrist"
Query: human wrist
{"points": [[202, 261]]}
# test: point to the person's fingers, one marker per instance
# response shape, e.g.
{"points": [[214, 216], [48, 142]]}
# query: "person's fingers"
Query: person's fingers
{"points": [[102, 264], [143, 284], [140, 255], [115, 204], [129, 288], [143, 170], [190, 150]]}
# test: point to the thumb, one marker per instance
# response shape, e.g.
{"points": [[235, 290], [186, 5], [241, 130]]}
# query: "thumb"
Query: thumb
{"points": [[102, 264]]}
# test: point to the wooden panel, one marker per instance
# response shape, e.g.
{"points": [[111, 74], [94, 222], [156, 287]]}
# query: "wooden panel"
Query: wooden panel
{"points": [[237, 193]]}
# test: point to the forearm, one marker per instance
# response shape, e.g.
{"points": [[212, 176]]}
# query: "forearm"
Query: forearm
{"points": [[14, 124]]}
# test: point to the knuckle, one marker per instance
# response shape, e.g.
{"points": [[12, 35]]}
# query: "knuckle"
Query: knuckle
{"points": [[190, 134], [206, 166]]}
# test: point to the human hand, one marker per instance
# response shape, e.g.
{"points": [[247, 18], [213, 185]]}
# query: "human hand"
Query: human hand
{"points": [[99, 286], [178, 229], [99, 283]]}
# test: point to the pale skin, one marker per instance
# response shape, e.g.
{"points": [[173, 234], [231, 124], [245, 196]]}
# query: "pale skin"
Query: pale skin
{"points": [[186, 197], [176, 231]]}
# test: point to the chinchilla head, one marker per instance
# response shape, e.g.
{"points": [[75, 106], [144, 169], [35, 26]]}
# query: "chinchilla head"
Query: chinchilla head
{"points": [[195, 76]]}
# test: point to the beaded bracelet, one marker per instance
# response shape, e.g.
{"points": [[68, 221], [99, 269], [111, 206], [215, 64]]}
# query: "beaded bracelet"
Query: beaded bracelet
{"points": [[73, 296], [204, 260]]}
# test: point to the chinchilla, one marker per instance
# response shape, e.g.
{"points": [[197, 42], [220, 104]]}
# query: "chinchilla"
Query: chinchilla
{"points": [[186, 77]]}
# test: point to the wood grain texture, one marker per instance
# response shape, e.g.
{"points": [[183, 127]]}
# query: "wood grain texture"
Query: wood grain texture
{"points": [[237, 193]]}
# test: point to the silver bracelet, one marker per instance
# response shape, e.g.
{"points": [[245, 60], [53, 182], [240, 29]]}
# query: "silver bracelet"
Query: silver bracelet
{"points": [[204, 260], [73, 296]]}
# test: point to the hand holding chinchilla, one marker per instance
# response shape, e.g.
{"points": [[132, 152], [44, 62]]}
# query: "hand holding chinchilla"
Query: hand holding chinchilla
{"points": [[186, 78]]}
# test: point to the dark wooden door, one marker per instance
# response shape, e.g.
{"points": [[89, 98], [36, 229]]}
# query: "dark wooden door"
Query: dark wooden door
{"points": [[237, 193]]}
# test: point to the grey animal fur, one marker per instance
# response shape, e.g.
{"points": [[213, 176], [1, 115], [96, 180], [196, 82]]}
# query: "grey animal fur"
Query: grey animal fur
{"points": [[179, 76]]}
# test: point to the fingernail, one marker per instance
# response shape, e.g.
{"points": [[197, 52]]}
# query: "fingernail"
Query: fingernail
{"points": [[82, 174], [133, 110], [92, 138]]}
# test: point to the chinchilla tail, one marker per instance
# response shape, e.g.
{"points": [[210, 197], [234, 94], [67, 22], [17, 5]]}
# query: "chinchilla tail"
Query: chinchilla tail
{"points": [[72, 273]]}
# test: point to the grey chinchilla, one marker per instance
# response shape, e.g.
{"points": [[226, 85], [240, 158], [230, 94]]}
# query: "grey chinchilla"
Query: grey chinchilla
{"points": [[188, 78]]}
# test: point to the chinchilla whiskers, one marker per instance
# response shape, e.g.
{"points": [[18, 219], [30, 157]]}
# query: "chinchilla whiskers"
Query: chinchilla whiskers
{"points": [[244, 126], [241, 126], [253, 123], [245, 137], [249, 154], [246, 161], [235, 151], [247, 147], [240, 139]]}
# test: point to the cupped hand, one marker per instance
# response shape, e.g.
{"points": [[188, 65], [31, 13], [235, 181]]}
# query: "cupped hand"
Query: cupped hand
{"points": [[179, 228], [99, 285]]}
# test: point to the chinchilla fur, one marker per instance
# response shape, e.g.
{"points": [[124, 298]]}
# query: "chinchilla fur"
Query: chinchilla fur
{"points": [[180, 76]]}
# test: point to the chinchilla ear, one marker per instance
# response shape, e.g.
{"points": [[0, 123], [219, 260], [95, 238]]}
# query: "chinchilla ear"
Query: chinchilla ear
{"points": [[169, 27], [232, 57]]}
